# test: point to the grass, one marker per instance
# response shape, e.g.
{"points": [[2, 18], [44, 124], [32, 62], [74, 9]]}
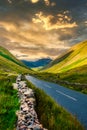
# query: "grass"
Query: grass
{"points": [[69, 70], [8, 63], [77, 75], [73, 58], [8, 103], [73, 65], [7, 55], [9, 68], [51, 115]]}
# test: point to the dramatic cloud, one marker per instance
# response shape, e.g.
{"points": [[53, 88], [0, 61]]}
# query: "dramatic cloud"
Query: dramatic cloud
{"points": [[33, 29], [10, 1], [85, 23], [34, 1], [50, 22], [47, 2]]}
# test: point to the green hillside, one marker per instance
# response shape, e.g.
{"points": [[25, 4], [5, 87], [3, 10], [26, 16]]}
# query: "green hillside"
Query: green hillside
{"points": [[70, 69], [75, 57], [9, 104], [78, 75], [9, 64]]}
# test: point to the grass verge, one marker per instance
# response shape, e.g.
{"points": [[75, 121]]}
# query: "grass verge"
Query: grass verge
{"points": [[8, 103], [51, 115], [70, 81]]}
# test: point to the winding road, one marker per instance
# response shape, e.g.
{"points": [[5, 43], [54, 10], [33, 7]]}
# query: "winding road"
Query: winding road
{"points": [[74, 102]]}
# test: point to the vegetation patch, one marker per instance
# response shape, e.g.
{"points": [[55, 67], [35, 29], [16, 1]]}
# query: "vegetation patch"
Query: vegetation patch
{"points": [[75, 57], [8, 103], [51, 115], [8, 63], [75, 79]]}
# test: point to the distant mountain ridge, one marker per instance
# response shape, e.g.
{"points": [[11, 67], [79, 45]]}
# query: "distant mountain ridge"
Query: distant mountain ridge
{"points": [[38, 63], [73, 58]]}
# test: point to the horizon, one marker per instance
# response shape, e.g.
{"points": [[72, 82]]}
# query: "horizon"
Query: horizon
{"points": [[36, 29]]}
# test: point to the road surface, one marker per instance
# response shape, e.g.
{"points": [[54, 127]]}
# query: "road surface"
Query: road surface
{"points": [[74, 102]]}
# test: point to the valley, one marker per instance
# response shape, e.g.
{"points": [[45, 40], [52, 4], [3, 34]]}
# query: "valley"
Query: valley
{"points": [[69, 70]]}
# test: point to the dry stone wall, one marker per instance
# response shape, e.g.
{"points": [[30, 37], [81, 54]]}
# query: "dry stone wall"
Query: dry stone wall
{"points": [[27, 116]]}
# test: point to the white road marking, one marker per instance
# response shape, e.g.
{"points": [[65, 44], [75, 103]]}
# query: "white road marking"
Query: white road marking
{"points": [[47, 86], [66, 95]]}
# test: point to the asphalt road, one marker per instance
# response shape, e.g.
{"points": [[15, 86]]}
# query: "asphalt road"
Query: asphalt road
{"points": [[74, 102]]}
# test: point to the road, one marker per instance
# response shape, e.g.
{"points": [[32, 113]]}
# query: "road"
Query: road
{"points": [[74, 102]]}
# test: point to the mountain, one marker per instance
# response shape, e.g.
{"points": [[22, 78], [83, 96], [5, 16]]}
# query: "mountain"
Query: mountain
{"points": [[8, 63], [38, 63], [72, 59]]}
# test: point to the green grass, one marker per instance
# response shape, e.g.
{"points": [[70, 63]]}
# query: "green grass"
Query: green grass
{"points": [[8, 63], [77, 75], [51, 115], [9, 68], [71, 67], [8, 103], [37, 68], [73, 58], [6, 54]]}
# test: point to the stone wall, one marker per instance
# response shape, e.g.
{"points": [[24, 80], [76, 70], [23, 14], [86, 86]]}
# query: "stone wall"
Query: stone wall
{"points": [[27, 116], [72, 84]]}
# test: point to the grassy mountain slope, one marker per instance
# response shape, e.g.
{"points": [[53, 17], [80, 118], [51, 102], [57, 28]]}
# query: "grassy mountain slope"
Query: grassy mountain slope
{"points": [[75, 79], [9, 104], [75, 57], [78, 75], [70, 69], [8, 63]]}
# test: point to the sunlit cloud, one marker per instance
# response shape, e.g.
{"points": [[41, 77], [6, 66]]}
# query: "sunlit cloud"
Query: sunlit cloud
{"points": [[10, 1], [8, 26], [34, 1], [33, 29], [29, 43], [47, 2], [85, 23], [28, 56], [51, 22]]}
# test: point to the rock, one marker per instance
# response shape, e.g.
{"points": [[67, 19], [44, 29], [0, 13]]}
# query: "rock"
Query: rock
{"points": [[15, 86], [38, 127], [27, 116], [25, 109], [23, 127]]}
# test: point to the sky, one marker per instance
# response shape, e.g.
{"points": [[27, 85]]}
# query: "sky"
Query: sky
{"points": [[33, 29]]}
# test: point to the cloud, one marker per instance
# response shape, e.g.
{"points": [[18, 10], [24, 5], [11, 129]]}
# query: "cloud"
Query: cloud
{"points": [[33, 29], [85, 23], [34, 1], [10, 1], [40, 52], [29, 42], [51, 22], [46, 2]]}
